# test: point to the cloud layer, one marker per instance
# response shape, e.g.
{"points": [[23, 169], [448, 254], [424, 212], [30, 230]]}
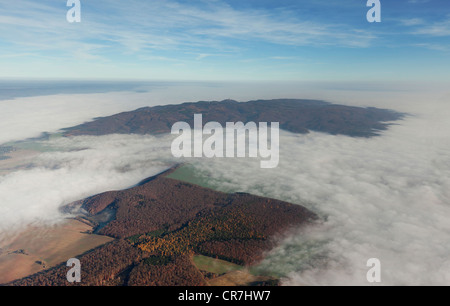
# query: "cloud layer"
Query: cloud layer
{"points": [[78, 168], [386, 197]]}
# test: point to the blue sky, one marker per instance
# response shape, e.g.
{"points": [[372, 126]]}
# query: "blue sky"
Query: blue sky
{"points": [[318, 40]]}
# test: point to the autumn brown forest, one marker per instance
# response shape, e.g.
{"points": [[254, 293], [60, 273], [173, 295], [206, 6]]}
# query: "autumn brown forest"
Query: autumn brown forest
{"points": [[159, 225]]}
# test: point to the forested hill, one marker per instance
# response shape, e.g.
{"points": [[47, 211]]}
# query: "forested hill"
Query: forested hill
{"points": [[298, 116], [160, 225]]}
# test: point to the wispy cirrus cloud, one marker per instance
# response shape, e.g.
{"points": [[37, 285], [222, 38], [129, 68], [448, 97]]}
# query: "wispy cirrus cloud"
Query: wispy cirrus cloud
{"points": [[412, 21], [437, 29], [418, 1], [163, 25], [118, 34]]}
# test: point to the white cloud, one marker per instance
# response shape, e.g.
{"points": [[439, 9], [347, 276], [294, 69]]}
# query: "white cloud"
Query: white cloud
{"points": [[385, 197], [81, 166], [418, 1], [161, 25], [29, 117], [412, 21], [438, 29]]}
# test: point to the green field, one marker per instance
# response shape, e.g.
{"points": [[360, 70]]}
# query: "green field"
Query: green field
{"points": [[187, 173], [37, 144], [213, 265]]}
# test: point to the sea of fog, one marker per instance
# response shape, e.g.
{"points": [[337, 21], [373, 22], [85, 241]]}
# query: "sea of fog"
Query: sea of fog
{"points": [[386, 197]]}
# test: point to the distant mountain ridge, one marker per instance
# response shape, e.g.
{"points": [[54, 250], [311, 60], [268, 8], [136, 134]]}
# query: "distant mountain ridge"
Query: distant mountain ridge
{"points": [[294, 115]]}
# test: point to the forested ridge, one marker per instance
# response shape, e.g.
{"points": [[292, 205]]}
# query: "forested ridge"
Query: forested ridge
{"points": [[162, 223], [294, 115]]}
